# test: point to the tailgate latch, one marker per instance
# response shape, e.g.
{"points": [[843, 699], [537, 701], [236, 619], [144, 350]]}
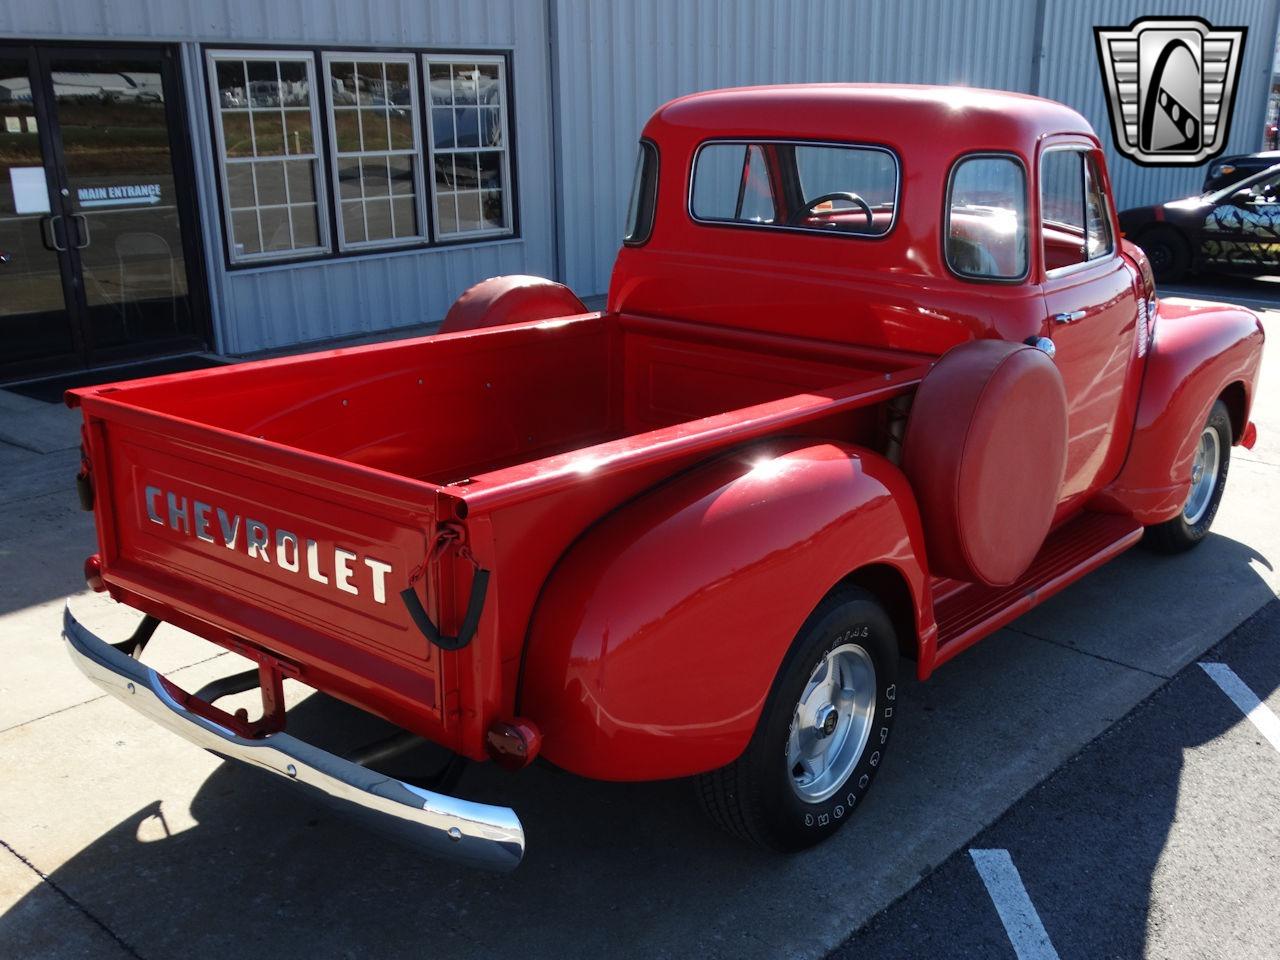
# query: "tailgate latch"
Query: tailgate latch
{"points": [[448, 537]]}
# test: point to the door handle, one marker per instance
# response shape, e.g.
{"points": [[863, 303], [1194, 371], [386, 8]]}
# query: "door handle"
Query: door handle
{"points": [[1071, 317], [51, 233], [82, 230]]}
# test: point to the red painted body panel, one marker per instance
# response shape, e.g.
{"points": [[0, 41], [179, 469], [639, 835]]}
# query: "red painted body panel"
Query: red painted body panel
{"points": [[1199, 350], [659, 634], [594, 463]]}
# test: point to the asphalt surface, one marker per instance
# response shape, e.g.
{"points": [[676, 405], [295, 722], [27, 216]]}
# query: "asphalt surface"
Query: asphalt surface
{"points": [[118, 839], [1161, 838]]}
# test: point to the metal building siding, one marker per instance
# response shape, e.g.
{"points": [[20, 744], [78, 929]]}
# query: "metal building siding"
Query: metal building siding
{"points": [[273, 306], [617, 62], [1069, 72]]}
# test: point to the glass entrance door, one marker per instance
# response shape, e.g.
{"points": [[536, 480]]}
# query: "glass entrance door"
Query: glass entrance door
{"points": [[101, 272], [36, 328]]}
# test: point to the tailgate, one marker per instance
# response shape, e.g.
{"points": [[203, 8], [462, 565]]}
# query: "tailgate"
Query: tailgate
{"points": [[298, 554]]}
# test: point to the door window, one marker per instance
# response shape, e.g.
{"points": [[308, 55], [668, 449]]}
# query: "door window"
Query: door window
{"points": [[1075, 222], [1062, 208], [125, 223]]}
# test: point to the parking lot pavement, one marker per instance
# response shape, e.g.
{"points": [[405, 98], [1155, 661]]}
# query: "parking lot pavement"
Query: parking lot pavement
{"points": [[1258, 293], [120, 837], [1160, 839]]}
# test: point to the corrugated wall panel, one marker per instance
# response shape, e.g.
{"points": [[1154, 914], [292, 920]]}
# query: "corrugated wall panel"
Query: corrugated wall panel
{"points": [[275, 306], [1069, 73], [619, 61]]}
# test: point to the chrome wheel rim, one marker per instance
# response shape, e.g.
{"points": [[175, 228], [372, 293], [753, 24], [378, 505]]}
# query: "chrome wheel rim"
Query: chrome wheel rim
{"points": [[831, 723], [1204, 476]]}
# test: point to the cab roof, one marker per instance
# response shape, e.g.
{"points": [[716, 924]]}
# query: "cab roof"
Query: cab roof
{"points": [[903, 115]]}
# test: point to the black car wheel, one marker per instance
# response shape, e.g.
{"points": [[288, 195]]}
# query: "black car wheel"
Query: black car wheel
{"points": [[822, 734], [1167, 251]]}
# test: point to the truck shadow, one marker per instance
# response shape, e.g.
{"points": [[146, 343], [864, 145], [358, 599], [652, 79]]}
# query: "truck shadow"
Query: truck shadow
{"points": [[625, 869]]}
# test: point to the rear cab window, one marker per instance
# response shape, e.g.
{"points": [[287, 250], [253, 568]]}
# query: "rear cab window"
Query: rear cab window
{"points": [[986, 218], [826, 188], [644, 196]]}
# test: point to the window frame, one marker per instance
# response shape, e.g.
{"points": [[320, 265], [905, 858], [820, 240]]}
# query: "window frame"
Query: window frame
{"points": [[508, 188], [1026, 207], [819, 231], [331, 252], [318, 159], [1083, 150], [424, 234]]}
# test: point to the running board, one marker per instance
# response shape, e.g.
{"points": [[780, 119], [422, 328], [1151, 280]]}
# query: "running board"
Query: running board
{"points": [[1074, 549]]}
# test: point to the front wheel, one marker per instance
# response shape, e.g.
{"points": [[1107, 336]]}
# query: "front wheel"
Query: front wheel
{"points": [[1208, 478], [822, 734]]}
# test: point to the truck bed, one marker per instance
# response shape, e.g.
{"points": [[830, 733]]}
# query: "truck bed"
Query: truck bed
{"points": [[342, 464]]}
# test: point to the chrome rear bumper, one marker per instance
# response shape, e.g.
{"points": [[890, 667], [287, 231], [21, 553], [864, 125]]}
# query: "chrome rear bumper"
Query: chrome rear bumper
{"points": [[476, 834]]}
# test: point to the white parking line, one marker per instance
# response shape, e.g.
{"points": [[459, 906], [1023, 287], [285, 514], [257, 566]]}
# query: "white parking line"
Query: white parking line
{"points": [[1017, 913], [1258, 712]]}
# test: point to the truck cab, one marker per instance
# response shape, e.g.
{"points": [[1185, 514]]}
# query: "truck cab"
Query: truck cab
{"points": [[877, 373]]}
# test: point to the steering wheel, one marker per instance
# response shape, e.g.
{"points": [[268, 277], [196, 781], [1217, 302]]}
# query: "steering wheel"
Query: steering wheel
{"points": [[808, 211]]}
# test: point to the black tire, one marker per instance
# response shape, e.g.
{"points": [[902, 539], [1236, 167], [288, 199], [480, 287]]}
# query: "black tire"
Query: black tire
{"points": [[1178, 534], [754, 798], [1168, 253]]}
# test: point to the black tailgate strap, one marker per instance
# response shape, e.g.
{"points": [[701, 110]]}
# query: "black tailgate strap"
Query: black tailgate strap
{"points": [[475, 605]]}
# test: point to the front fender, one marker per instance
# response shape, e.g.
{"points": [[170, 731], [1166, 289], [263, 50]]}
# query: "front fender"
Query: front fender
{"points": [[1197, 352], [657, 637]]}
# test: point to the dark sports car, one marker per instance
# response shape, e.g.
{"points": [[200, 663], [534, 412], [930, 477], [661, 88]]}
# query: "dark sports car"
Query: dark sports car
{"points": [[1232, 230], [1228, 170]]}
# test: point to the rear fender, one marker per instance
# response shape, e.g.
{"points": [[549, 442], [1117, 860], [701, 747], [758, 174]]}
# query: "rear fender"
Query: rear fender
{"points": [[658, 636], [1198, 351]]}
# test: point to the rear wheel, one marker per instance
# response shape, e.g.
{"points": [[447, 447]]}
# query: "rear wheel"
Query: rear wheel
{"points": [[1208, 478], [1167, 252], [822, 735]]}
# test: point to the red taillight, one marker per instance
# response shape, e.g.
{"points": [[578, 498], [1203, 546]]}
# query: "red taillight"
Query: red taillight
{"points": [[93, 574], [513, 743]]}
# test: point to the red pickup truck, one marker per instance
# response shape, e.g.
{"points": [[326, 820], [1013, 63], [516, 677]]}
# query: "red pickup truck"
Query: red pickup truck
{"points": [[876, 374]]}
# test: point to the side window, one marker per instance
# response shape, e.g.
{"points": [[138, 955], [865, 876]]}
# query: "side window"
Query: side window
{"points": [[986, 226], [1259, 193], [1062, 216], [731, 183], [644, 194], [1098, 220]]}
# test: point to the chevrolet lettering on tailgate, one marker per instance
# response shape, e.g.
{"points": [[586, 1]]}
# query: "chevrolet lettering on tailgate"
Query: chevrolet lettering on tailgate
{"points": [[214, 524]]}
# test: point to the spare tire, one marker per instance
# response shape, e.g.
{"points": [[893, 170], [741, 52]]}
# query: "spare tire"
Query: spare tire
{"points": [[510, 299], [985, 449]]}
